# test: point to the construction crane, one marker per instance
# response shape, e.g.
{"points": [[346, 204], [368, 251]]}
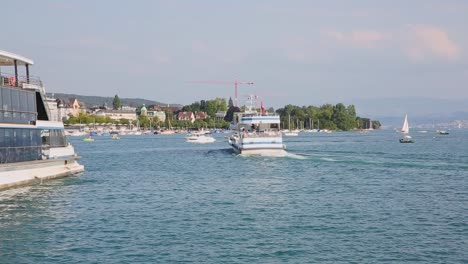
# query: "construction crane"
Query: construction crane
{"points": [[236, 83]]}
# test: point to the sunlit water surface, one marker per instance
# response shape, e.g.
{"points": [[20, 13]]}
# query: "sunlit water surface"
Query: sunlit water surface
{"points": [[336, 198]]}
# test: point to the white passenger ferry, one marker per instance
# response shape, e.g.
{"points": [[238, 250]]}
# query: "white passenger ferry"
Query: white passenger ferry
{"points": [[256, 133], [32, 147]]}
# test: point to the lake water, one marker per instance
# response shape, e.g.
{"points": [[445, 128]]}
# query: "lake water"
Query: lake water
{"points": [[337, 198]]}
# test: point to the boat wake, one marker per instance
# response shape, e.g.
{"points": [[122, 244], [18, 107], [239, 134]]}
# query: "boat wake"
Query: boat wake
{"points": [[276, 154]]}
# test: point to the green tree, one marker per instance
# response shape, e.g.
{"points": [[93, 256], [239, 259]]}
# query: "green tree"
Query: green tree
{"points": [[230, 113], [116, 103]]}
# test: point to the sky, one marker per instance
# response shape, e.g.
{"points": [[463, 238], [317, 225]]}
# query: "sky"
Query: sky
{"points": [[295, 52]]}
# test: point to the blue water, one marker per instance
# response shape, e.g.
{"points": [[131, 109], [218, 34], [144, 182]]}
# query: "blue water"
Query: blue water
{"points": [[338, 198]]}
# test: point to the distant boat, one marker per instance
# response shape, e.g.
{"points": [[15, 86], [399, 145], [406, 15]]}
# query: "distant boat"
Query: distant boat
{"points": [[88, 139], [405, 130], [442, 132], [200, 138]]}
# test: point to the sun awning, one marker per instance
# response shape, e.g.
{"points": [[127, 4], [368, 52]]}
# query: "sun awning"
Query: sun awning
{"points": [[8, 59]]}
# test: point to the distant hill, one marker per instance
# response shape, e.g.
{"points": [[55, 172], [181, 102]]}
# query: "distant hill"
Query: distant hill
{"points": [[101, 100], [421, 110]]}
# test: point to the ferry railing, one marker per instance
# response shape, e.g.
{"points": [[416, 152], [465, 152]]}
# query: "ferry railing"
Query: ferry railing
{"points": [[263, 134], [10, 80]]}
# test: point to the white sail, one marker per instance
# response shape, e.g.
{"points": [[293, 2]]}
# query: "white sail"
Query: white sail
{"points": [[405, 128]]}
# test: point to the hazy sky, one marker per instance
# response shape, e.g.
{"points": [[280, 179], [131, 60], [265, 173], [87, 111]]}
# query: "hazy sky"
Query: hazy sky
{"points": [[300, 52]]}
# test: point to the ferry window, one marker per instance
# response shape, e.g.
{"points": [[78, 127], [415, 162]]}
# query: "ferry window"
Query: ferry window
{"points": [[14, 99], [45, 136], [14, 138], [8, 136], [25, 138], [32, 105], [3, 155], [18, 137], [2, 138], [35, 137], [23, 101], [6, 104], [15, 116], [1, 105]]}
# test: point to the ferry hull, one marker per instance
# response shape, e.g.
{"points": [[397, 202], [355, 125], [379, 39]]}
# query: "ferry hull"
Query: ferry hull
{"points": [[259, 149], [35, 172]]}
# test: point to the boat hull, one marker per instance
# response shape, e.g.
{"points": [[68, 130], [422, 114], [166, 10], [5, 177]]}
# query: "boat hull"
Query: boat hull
{"points": [[258, 148], [35, 172], [406, 140]]}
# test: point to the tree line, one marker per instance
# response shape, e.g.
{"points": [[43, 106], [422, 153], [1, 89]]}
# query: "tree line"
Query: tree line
{"points": [[327, 116]]}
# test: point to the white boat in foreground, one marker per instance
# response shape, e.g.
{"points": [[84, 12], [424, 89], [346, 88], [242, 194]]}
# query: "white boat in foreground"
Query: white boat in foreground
{"points": [[256, 133], [33, 147]]}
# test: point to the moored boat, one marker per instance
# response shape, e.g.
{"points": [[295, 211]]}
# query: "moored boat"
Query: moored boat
{"points": [[32, 146]]}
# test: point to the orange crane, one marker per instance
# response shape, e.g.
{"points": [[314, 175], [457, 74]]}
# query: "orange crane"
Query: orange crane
{"points": [[236, 83]]}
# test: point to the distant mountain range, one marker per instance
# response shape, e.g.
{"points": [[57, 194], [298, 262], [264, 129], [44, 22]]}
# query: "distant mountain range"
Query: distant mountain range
{"points": [[421, 110], [91, 101]]}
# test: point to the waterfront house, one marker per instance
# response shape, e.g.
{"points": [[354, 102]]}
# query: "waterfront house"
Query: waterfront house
{"points": [[201, 115], [172, 109], [67, 107], [117, 114], [186, 116], [220, 116], [159, 115]]}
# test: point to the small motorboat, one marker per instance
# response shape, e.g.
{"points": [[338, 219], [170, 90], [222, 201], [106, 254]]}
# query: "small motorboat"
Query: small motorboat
{"points": [[197, 138], [442, 132], [406, 139]]}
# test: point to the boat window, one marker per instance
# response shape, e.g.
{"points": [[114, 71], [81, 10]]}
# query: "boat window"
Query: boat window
{"points": [[6, 104], [1, 104], [14, 105], [45, 136], [31, 105], [2, 138], [25, 137], [19, 144]]}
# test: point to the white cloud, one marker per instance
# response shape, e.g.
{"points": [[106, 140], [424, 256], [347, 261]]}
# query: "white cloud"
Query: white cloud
{"points": [[430, 41]]}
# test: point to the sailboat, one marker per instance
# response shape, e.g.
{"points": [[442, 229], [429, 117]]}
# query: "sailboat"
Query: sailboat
{"points": [[405, 130], [290, 133], [169, 131]]}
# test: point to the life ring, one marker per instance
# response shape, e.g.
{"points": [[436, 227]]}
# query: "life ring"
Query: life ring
{"points": [[12, 81]]}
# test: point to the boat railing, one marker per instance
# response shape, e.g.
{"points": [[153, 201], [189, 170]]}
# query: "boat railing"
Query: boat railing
{"points": [[22, 81], [263, 134]]}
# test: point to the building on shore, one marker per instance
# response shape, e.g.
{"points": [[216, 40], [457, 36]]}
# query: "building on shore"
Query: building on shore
{"points": [[117, 114]]}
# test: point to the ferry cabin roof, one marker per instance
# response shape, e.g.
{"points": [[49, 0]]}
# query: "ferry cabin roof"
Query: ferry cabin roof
{"points": [[21, 96], [15, 60]]}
